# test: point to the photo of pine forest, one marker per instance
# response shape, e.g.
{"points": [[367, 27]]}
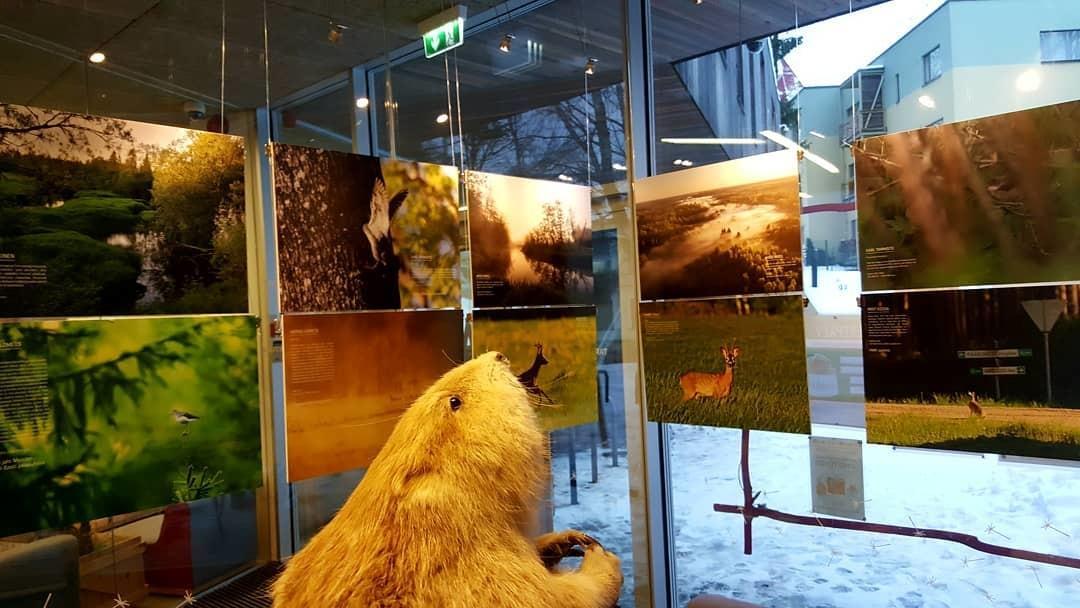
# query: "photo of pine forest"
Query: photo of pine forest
{"points": [[100, 418], [100, 216], [730, 228], [531, 241], [966, 370], [981, 202]]}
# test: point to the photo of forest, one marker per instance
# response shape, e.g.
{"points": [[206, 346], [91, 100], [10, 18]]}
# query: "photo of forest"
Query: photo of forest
{"points": [[729, 228], [553, 353], [982, 202], [100, 216], [531, 241], [357, 233], [349, 377], [100, 418], [736, 362], [967, 370]]}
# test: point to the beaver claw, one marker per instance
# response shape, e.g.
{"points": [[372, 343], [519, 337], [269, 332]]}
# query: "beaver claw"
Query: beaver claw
{"points": [[555, 546]]}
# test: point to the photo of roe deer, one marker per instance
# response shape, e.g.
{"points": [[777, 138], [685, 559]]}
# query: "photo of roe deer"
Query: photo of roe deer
{"points": [[975, 370], [734, 362], [553, 353]]}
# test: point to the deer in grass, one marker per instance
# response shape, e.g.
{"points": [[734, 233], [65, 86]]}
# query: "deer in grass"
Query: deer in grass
{"points": [[528, 377], [973, 406], [708, 384]]}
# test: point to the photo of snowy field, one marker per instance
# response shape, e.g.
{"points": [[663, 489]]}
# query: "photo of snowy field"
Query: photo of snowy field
{"points": [[1014, 504]]}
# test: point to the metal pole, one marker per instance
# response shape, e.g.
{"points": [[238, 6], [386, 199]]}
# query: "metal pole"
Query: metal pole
{"points": [[595, 454], [1046, 351], [571, 452]]}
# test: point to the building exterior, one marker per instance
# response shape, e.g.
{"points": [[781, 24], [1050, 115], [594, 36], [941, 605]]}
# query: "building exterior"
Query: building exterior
{"points": [[967, 59]]}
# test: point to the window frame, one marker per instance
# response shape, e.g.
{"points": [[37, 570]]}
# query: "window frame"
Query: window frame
{"points": [[1042, 37], [928, 65]]}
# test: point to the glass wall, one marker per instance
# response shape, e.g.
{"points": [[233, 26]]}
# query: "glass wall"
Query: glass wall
{"points": [[837, 76]]}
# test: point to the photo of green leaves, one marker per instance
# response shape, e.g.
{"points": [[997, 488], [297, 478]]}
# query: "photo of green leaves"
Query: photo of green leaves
{"points": [[100, 418]]}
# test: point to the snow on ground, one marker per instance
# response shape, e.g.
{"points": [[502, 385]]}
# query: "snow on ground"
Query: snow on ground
{"points": [[1027, 506]]}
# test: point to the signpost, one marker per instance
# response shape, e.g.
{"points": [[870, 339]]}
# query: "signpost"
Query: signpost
{"points": [[444, 31], [1045, 313]]}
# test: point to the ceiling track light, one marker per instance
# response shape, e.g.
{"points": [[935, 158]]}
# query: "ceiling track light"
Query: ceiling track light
{"points": [[97, 57], [779, 139], [506, 42], [337, 30], [590, 65]]}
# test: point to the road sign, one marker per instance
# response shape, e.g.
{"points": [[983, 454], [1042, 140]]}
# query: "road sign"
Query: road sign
{"points": [[994, 353], [1009, 370], [1044, 312]]}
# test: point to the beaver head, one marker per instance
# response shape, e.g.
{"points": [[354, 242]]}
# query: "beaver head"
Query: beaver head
{"points": [[470, 444]]}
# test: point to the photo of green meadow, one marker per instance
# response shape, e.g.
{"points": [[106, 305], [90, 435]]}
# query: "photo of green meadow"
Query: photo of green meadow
{"points": [[968, 370], [553, 353], [100, 418], [736, 363], [100, 216]]}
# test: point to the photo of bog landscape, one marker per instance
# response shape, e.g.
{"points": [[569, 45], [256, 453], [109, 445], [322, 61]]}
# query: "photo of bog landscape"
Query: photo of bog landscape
{"points": [[981, 370], [100, 216], [553, 353], [101, 418], [349, 377], [531, 241], [981, 202], [362, 233], [734, 362], [729, 228]]}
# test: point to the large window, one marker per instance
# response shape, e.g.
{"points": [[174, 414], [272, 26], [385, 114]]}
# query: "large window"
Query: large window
{"points": [[1060, 45]]}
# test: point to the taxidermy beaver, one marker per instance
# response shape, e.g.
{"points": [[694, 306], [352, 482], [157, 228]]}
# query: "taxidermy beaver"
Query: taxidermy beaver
{"points": [[438, 519]]}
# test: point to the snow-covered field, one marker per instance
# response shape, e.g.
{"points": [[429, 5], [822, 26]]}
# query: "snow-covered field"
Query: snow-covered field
{"points": [[1025, 506]]}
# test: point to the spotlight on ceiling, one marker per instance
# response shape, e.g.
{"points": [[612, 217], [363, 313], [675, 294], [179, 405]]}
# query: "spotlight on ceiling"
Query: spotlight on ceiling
{"points": [[442, 118], [618, 166], [927, 102], [590, 65], [337, 30], [688, 163], [97, 57], [565, 178], [506, 42], [678, 162], [362, 102]]}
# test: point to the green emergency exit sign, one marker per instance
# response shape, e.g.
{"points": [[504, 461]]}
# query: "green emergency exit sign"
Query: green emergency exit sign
{"points": [[444, 31]]}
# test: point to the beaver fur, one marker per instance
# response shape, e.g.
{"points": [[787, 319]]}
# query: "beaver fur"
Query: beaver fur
{"points": [[438, 519]]}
